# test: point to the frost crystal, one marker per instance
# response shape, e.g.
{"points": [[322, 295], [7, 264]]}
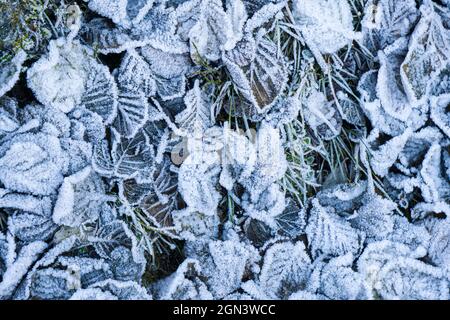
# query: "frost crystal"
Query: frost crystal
{"points": [[225, 149]]}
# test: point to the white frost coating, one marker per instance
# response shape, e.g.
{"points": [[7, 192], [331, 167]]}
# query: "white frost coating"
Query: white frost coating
{"points": [[180, 286], [284, 263], [270, 164], [163, 126], [339, 282], [197, 180], [215, 29], [322, 116], [15, 271], [383, 158], [391, 92], [32, 163], [62, 73], [439, 112], [10, 72], [80, 198], [428, 48], [326, 24], [406, 278], [195, 119], [330, 234], [115, 10], [92, 294], [72, 76]]}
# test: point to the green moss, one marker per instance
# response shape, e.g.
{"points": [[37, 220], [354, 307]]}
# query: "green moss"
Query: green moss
{"points": [[26, 25]]}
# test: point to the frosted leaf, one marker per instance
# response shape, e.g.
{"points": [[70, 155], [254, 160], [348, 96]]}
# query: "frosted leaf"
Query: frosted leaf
{"points": [[17, 268], [331, 23], [270, 204], [266, 13], [31, 220], [183, 284], [238, 157], [136, 9], [435, 186], [257, 232], [132, 192], [8, 115], [92, 294], [350, 109], [387, 20], [123, 12], [440, 112], [100, 33], [424, 210], [392, 126], [47, 117], [238, 15], [132, 113], [87, 125], [329, 234], [374, 216], [32, 163], [80, 154], [100, 95], [72, 76], [386, 155], [127, 159], [156, 26], [344, 198], [367, 86], [373, 109], [57, 79], [80, 199], [440, 84], [195, 119], [306, 295], [168, 69], [135, 74], [270, 164], [322, 116], [88, 270], [215, 30], [115, 10], [389, 86], [378, 254], [253, 6], [418, 145], [10, 72], [51, 283], [123, 290], [258, 71], [285, 269], [292, 221], [187, 14], [284, 112], [111, 236], [414, 236], [429, 44], [195, 225], [154, 196], [410, 279], [124, 266], [439, 249], [339, 282], [170, 88], [223, 264], [197, 179]]}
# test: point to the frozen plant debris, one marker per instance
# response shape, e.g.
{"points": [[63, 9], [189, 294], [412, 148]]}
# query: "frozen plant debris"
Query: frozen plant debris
{"points": [[225, 149]]}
